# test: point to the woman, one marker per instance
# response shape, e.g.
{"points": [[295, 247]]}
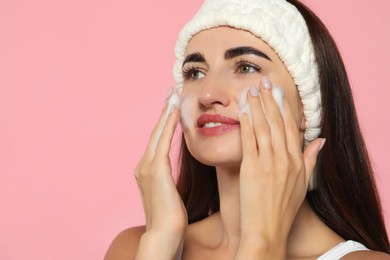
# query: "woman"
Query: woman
{"points": [[273, 164]]}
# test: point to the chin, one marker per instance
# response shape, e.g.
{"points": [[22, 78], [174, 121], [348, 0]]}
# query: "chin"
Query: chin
{"points": [[218, 152], [218, 161]]}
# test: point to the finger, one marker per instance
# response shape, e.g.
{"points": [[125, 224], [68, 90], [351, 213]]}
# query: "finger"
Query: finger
{"points": [[172, 100], [248, 139], [261, 126], [292, 131], [243, 104], [160, 122], [310, 156], [165, 139], [273, 115]]}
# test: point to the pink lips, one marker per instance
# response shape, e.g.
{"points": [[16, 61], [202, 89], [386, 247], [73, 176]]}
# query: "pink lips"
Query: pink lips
{"points": [[227, 124]]}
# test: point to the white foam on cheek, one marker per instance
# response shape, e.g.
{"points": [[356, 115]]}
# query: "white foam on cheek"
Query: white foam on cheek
{"points": [[278, 94], [188, 110], [243, 106], [174, 100], [243, 98]]}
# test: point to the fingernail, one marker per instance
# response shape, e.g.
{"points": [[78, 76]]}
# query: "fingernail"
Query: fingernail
{"points": [[254, 91], [322, 144], [266, 83]]}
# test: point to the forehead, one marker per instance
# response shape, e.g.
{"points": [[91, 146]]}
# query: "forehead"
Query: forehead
{"points": [[217, 40]]}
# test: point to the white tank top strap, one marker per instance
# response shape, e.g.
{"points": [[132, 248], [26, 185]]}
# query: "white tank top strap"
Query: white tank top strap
{"points": [[180, 251], [333, 254], [342, 249]]}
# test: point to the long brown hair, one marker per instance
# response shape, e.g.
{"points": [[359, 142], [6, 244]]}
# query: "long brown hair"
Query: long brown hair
{"points": [[346, 197]]}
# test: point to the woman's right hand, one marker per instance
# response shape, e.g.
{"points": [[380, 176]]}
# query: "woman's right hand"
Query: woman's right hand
{"points": [[166, 217]]}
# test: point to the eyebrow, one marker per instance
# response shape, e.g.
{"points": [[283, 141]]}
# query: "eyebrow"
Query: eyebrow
{"points": [[194, 57], [244, 50], [229, 54]]}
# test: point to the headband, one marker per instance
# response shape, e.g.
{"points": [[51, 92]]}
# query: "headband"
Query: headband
{"points": [[282, 27]]}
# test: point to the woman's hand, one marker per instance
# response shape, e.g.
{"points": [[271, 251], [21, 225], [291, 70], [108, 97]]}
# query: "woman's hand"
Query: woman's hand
{"points": [[274, 175], [166, 217]]}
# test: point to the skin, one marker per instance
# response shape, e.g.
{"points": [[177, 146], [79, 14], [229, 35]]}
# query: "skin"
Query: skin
{"points": [[188, 109], [262, 181]]}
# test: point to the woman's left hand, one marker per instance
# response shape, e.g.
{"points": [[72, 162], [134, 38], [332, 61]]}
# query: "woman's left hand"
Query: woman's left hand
{"points": [[274, 175]]}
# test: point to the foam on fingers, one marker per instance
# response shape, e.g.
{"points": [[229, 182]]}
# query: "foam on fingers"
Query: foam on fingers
{"points": [[173, 101], [243, 104]]}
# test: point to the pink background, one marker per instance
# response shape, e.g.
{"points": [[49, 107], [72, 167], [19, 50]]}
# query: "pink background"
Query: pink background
{"points": [[81, 86]]}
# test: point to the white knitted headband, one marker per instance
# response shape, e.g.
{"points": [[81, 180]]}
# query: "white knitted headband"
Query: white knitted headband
{"points": [[282, 27]]}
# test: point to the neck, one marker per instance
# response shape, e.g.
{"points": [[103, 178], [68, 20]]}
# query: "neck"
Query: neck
{"points": [[229, 214], [305, 225]]}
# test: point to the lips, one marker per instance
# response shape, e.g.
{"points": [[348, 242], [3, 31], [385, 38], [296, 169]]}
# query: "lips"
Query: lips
{"points": [[215, 124]]}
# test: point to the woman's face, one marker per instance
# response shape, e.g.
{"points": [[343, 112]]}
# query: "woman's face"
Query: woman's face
{"points": [[221, 63]]}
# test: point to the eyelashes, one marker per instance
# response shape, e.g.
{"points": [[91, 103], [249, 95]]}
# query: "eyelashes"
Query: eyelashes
{"points": [[242, 66], [242, 63], [191, 72]]}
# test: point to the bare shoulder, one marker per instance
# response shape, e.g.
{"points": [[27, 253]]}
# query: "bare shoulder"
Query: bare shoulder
{"points": [[367, 255], [125, 244]]}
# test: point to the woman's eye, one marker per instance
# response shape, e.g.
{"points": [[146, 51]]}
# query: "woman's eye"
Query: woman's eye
{"points": [[246, 68], [193, 74], [196, 75]]}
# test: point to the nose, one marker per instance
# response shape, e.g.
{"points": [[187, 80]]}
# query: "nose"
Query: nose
{"points": [[214, 92]]}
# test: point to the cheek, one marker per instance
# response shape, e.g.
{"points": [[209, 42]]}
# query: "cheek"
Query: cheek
{"points": [[188, 111], [297, 110]]}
